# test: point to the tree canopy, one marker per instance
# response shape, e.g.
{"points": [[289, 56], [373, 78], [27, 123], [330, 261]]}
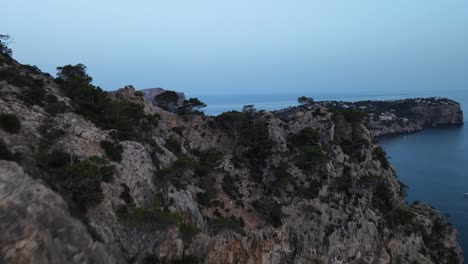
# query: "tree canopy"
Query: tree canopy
{"points": [[303, 100], [94, 103], [192, 106], [4, 49], [167, 100]]}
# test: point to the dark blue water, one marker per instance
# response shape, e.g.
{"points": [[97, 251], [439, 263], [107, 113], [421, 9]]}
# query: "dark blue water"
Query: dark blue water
{"points": [[432, 163]]}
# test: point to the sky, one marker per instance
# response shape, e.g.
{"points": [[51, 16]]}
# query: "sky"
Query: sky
{"points": [[245, 46]]}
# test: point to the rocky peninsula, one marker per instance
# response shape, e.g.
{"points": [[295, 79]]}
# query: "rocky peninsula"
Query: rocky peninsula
{"points": [[392, 117], [90, 177], [405, 115]]}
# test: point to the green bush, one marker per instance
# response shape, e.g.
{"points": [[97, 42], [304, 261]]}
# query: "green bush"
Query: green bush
{"points": [[113, 150], [13, 77], [381, 156], [209, 160], [226, 223], [152, 216], [185, 162], [307, 136], [83, 180], [10, 123]]}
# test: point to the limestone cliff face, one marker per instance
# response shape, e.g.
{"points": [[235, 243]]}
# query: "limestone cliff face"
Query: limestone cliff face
{"points": [[312, 187]]}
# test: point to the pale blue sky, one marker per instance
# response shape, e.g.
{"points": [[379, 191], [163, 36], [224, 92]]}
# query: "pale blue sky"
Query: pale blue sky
{"points": [[247, 46]]}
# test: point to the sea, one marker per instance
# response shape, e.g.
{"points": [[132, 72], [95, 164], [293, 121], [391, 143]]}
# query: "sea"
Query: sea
{"points": [[432, 163]]}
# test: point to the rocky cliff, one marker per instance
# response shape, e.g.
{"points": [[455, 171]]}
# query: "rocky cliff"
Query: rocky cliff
{"points": [[92, 178]]}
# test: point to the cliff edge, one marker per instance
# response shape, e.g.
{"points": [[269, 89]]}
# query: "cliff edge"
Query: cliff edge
{"points": [[91, 178]]}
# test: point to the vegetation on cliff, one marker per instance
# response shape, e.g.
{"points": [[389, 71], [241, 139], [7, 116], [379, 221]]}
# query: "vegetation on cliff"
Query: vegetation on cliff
{"points": [[182, 187]]}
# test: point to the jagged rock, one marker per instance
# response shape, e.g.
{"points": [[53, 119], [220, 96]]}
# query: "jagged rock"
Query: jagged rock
{"points": [[36, 227]]}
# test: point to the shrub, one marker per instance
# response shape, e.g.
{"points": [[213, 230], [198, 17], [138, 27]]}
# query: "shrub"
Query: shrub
{"points": [[35, 95], [226, 223], [151, 259], [313, 153], [152, 216], [188, 231], [83, 180], [10, 123], [13, 77], [405, 217], [369, 180], [271, 210], [55, 108], [307, 136], [342, 184], [403, 189], [179, 130], [5, 153], [383, 196], [113, 150], [190, 259], [173, 145], [208, 185], [230, 188], [184, 162], [381, 156], [283, 177], [56, 159], [353, 116], [125, 195], [208, 161]]}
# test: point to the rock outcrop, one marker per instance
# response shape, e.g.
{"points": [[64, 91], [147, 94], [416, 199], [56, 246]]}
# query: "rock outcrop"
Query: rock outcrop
{"points": [[311, 186], [36, 226]]}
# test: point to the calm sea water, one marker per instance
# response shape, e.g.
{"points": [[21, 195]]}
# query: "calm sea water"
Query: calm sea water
{"points": [[432, 163]]}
